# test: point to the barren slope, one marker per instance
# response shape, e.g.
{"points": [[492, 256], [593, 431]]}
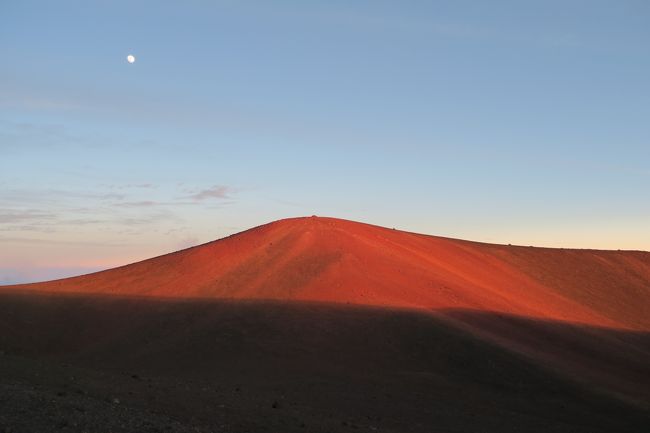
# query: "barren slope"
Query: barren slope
{"points": [[454, 336], [333, 260]]}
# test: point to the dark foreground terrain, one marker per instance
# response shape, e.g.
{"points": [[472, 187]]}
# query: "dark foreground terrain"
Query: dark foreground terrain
{"points": [[74, 363]]}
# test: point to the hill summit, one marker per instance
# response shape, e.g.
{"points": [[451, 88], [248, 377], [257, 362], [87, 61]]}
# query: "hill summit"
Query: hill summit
{"points": [[340, 261]]}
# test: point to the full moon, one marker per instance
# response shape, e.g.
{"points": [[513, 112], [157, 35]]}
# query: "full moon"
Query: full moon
{"points": [[130, 58]]}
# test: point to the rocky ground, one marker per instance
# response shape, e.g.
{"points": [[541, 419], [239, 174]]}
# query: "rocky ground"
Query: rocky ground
{"points": [[96, 366]]}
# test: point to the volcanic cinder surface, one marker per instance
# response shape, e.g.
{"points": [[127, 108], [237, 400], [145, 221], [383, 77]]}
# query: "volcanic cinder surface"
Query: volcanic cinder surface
{"points": [[325, 325]]}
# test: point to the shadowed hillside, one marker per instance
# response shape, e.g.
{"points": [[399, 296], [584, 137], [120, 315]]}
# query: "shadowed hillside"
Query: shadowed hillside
{"points": [[277, 366]]}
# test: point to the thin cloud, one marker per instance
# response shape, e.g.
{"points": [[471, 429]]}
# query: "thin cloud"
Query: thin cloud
{"points": [[37, 241], [54, 195], [152, 220], [220, 192], [13, 217], [131, 186], [139, 204], [83, 221], [40, 221], [151, 204]]}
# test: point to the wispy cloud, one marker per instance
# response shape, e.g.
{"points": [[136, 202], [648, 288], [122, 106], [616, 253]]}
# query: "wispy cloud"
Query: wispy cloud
{"points": [[216, 192], [42, 241], [57, 196], [22, 216], [120, 209], [151, 219], [138, 204], [132, 186]]}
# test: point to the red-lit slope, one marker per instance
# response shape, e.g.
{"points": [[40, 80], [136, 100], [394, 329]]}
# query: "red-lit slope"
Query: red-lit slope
{"points": [[332, 260]]}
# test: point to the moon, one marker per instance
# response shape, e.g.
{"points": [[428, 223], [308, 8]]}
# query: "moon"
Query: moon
{"points": [[130, 58]]}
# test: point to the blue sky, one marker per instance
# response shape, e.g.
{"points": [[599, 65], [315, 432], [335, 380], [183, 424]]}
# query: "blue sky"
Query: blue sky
{"points": [[521, 122]]}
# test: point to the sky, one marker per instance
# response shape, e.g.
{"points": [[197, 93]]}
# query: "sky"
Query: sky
{"points": [[523, 122]]}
